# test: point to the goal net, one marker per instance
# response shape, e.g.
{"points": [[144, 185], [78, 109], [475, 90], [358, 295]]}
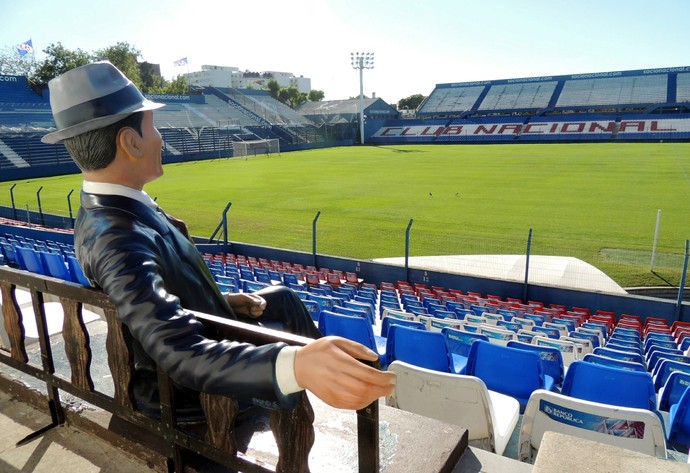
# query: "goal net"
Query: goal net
{"points": [[254, 147]]}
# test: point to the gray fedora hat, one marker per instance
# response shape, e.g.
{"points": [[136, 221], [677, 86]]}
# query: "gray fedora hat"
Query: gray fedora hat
{"points": [[90, 97]]}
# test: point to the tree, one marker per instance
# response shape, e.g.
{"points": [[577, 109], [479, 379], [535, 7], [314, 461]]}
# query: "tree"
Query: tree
{"points": [[12, 64], [124, 57], [178, 86], [59, 60], [291, 96], [316, 95], [411, 102], [273, 88]]}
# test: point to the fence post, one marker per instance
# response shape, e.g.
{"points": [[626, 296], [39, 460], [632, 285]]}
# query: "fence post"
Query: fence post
{"points": [[529, 249], [313, 237], [225, 223], [656, 238], [681, 289], [407, 250], [69, 207], [40, 208], [14, 209]]}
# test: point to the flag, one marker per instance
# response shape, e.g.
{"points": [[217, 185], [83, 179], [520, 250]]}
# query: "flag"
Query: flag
{"points": [[181, 62], [25, 48]]}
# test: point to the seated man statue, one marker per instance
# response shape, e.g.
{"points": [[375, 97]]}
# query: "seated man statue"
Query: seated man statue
{"points": [[155, 276]]}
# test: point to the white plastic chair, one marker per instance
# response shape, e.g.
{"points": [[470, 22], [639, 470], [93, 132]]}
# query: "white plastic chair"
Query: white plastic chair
{"points": [[434, 324], [497, 334], [635, 429], [568, 349], [582, 346], [490, 417]]}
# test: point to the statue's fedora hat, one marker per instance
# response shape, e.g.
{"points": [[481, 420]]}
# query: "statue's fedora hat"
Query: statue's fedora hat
{"points": [[91, 97]]}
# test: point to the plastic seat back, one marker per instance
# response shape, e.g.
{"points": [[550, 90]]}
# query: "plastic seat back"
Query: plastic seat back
{"points": [[672, 390], [608, 385], [638, 430], [31, 259], [459, 341], [386, 323], [489, 417], [510, 371], [551, 358], [679, 420], [351, 327], [76, 272], [614, 363], [664, 370], [55, 266], [620, 355], [568, 349], [418, 347]]}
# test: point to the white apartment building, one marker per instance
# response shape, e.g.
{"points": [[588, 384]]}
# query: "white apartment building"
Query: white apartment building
{"points": [[225, 76]]}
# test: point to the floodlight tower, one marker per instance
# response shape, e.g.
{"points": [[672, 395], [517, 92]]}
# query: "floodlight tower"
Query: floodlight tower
{"points": [[362, 61]]}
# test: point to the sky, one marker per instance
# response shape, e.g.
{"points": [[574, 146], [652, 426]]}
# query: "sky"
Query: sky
{"points": [[416, 44]]}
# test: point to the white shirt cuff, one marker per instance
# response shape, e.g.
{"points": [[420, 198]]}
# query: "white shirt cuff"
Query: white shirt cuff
{"points": [[285, 371]]}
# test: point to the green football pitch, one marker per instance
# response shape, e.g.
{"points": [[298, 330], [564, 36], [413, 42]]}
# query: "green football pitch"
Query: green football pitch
{"points": [[596, 202]]}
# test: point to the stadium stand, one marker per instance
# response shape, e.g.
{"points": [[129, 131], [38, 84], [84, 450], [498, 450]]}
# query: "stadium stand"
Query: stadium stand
{"points": [[609, 106]]}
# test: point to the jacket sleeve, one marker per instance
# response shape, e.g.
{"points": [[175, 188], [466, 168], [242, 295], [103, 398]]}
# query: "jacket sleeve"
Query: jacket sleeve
{"points": [[128, 263]]}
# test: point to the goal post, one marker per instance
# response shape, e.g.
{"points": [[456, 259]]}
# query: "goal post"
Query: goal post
{"points": [[255, 147]]}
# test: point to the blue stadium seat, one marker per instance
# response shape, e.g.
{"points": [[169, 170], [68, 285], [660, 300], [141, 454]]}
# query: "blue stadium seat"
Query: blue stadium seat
{"points": [[386, 323], [420, 348], [679, 421], [620, 355], [55, 266], [76, 272], [510, 371], [674, 387], [607, 385], [614, 362], [551, 359], [31, 260], [353, 328], [664, 370], [459, 343]]}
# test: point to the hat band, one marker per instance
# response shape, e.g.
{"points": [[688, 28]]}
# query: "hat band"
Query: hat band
{"points": [[108, 105]]}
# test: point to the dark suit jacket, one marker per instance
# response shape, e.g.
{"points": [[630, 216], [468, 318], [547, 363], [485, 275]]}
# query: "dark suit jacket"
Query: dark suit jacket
{"points": [[152, 273]]}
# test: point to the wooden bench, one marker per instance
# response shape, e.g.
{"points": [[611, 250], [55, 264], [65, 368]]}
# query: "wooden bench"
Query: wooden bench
{"points": [[293, 430]]}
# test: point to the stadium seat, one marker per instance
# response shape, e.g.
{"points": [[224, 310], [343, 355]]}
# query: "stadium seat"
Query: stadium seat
{"points": [[657, 356], [353, 328], [420, 348], [634, 429], [76, 272], [313, 307], [664, 370], [497, 334], [437, 325], [672, 390], [620, 355], [352, 312], [31, 260], [568, 349], [614, 362], [490, 417], [607, 385], [679, 421], [55, 265], [510, 371], [459, 343], [551, 359], [386, 323]]}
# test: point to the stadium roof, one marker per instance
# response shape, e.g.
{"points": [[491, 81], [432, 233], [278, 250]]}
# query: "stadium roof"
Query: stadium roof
{"points": [[555, 271]]}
